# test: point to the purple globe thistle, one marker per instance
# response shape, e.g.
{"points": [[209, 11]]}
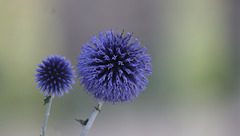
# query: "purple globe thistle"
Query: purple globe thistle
{"points": [[55, 76], [113, 67]]}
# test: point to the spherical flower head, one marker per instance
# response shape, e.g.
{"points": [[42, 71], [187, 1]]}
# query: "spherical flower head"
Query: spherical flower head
{"points": [[113, 67], [55, 76]]}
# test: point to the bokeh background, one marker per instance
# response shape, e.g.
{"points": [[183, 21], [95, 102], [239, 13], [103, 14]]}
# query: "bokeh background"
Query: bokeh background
{"points": [[195, 49]]}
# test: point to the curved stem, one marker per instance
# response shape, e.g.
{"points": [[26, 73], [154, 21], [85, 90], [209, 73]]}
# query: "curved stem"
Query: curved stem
{"points": [[44, 127], [92, 118]]}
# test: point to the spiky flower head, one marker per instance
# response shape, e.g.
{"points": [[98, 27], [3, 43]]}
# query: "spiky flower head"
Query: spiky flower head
{"points": [[55, 76], [113, 67]]}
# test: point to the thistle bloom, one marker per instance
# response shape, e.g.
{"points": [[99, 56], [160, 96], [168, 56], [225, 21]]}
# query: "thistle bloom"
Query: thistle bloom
{"points": [[55, 76], [113, 67]]}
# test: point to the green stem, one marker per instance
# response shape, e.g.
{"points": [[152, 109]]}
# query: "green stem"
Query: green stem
{"points": [[92, 118], [44, 127]]}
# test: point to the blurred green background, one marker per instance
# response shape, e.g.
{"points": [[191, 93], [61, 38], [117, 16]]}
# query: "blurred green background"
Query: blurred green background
{"points": [[194, 45]]}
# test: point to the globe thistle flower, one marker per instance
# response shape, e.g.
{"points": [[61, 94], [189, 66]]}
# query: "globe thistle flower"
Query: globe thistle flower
{"points": [[113, 67], [55, 76]]}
